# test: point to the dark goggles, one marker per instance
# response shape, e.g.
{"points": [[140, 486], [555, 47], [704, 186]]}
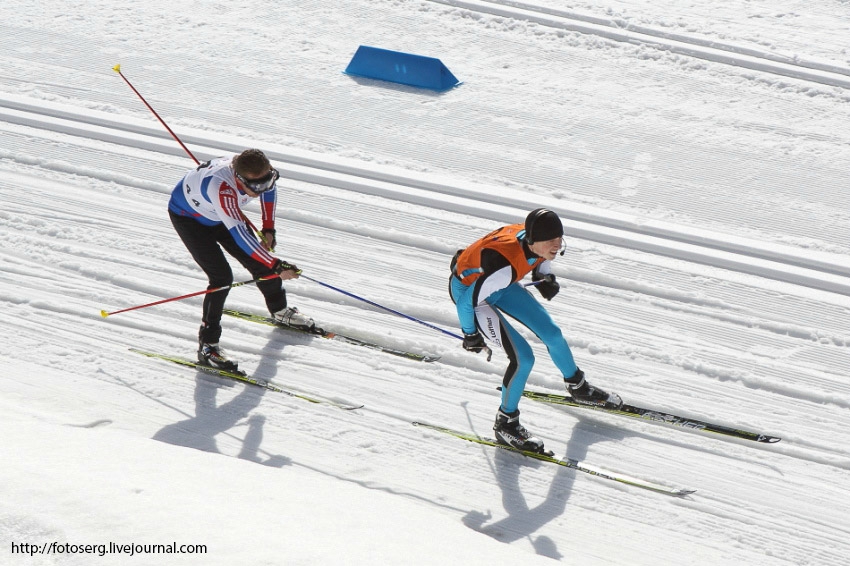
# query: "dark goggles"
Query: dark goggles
{"points": [[261, 185]]}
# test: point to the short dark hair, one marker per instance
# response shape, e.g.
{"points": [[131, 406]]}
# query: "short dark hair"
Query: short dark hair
{"points": [[251, 162]]}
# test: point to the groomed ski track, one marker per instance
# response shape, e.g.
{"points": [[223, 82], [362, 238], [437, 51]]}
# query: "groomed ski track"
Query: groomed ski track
{"points": [[782, 263], [679, 311]]}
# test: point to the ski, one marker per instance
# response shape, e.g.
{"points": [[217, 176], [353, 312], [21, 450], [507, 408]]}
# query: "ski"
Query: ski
{"points": [[567, 463], [333, 336], [244, 378], [656, 416]]}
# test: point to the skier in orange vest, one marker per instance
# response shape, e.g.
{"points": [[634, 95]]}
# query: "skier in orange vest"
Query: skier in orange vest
{"points": [[485, 286]]}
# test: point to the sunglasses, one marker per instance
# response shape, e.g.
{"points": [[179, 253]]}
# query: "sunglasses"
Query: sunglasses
{"points": [[263, 184]]}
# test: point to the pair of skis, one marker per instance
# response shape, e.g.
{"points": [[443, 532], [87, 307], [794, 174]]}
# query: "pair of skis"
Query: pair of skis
{"points": [[318, 332], [625, 410]]}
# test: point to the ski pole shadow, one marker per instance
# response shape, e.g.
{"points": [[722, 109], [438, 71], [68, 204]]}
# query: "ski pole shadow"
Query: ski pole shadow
{"points": [[522, 519], [213, 419]]}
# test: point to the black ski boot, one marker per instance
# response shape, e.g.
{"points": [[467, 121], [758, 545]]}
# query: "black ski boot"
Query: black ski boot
{"points": [[586, 394], [510, 432], [211, 355]]}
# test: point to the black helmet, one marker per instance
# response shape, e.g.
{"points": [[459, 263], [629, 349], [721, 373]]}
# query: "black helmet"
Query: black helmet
{"points": [[542, 224]]}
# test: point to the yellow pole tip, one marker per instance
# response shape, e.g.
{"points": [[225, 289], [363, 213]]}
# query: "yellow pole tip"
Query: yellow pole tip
{"points": [[104, 314], [117, 68]]}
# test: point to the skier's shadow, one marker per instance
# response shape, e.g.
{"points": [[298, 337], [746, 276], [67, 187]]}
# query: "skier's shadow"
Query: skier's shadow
{"points": [[212, 419], [522, 520]]}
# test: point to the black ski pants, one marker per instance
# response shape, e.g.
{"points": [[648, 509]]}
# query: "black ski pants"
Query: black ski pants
{"points": [[205, 243]]}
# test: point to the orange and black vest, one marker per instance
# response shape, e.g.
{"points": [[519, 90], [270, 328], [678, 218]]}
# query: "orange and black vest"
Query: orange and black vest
{"points": [[503, 240]]}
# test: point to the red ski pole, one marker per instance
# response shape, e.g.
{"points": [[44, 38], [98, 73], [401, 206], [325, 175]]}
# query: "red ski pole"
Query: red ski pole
{"points": [[104, 314]]}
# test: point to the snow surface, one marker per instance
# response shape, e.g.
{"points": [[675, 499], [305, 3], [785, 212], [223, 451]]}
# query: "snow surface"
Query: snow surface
{"points": [[698, 152]]}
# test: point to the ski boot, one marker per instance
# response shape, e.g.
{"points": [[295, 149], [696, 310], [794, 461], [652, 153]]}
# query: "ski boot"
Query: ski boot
{"points": [[294, 319], [584, 393], [511, 433], [211, 355]]}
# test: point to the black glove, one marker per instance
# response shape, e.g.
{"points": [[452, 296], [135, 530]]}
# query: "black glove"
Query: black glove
{"points": [[473, 342], [548, 286], [269, 235], [280, 266]]}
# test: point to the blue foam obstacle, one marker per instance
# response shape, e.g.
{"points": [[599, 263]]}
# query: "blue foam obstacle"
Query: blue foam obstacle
{"points": [[402, 68]]}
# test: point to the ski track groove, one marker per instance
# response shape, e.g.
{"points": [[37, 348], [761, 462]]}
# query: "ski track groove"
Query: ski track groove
{"points": [[813, 279], [527, 10]]}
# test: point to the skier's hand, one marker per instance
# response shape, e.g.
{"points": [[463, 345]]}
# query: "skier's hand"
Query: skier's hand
{"points": [[270, 240], [286, 270], [548, 286], [475, 343]]}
